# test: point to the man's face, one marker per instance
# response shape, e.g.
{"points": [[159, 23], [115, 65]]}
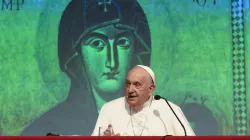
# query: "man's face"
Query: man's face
{"points": [[139, 87], [107, 53]]}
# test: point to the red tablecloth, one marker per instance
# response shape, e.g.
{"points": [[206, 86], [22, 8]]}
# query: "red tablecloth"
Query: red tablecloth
{"points": [[126, 138]]}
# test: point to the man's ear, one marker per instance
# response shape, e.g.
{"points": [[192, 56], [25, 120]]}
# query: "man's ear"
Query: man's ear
{"points": [[152, 88]]}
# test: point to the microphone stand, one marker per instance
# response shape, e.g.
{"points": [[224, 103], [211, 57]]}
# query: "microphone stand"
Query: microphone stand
{"points": [[176, 117], [52, 134], [158, 97], [165, 137]]}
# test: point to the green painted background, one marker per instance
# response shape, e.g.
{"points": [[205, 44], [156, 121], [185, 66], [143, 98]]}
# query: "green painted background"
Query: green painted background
{"points": [[192, 54]]}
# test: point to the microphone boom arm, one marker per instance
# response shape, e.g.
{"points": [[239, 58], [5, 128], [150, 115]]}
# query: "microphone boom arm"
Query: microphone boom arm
{"points": [[158, 97], [176, 117]]}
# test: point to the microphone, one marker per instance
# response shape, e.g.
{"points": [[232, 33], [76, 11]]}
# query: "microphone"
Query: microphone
{"points": [[52, 134], [158, 97], [157, 114]]}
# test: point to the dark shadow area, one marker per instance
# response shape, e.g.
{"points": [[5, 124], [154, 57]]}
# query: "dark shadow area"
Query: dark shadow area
{"points": [[203, 119]]}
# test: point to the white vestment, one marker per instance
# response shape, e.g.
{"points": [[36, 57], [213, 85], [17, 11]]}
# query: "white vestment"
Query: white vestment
{"points": [[155, 119]]}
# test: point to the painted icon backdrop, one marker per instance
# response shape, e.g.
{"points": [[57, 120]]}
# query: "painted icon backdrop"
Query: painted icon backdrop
{"points": [[62, 60]]}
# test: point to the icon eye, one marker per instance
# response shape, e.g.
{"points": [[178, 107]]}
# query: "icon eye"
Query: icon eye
{"points": [[98, 44], [124, 42]]}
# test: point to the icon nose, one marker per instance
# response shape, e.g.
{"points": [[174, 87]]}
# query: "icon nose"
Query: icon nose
{"points": [[112, 60]]}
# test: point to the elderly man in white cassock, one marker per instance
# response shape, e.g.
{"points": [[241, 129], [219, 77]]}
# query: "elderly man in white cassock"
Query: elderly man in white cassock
{"points": [[139, 114]]}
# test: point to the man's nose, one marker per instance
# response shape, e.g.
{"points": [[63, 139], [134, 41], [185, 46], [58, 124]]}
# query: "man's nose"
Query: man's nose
{"points": [[112, 59], [131, 89]]}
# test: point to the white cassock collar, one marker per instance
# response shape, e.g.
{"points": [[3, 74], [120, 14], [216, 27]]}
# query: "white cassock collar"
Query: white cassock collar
{"points": [[138, 123], [145, 105]]}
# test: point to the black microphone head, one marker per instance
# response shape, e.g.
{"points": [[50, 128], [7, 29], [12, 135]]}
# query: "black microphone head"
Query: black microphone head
{"points": [[157, 97]]}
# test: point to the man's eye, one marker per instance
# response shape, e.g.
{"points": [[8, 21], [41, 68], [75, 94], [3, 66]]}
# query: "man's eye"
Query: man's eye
{"points": [[123, 42], [127, 85], [137, 85], [97, 44]]}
